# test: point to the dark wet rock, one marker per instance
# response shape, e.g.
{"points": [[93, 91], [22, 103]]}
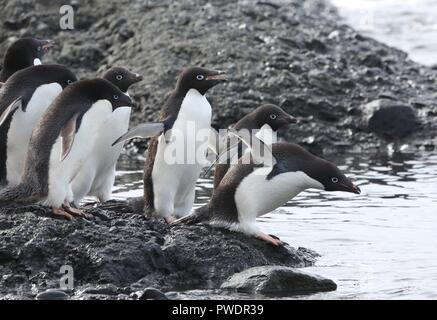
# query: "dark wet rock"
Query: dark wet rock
{"points": [[125, 253], [277, 281], [106, 289], [390, 119], [152, 294], [52, 294]]}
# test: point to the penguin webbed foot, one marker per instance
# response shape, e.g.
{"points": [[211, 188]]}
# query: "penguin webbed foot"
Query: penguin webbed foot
{"points": [[274, 240], [72, 212], [169, 220], [58, 212]]}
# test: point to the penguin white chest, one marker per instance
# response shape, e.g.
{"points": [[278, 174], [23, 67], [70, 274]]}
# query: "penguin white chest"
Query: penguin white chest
{"points": [[22, 125], [174, 175], [62, 172], [256, 195], [97, 174]]}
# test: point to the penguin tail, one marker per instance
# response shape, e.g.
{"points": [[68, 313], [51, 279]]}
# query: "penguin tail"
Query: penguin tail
{"points": [[19, 193], [201, 215]]}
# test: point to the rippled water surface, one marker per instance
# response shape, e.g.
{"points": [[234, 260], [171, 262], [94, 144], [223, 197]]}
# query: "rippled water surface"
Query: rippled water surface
{"points": [[381, 244], [410, 25]]}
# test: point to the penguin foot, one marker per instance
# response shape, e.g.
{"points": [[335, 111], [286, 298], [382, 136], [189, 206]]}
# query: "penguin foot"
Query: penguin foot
{"points": [[73, 211], [61, 213], [269, 239], [169, 219]]}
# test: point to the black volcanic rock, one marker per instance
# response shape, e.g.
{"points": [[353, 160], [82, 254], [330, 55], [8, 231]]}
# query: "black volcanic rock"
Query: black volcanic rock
{"points": [[277, 281], [115, 253]]}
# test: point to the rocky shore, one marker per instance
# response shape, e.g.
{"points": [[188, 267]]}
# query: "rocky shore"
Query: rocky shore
{"points": [[350, 92], [116, 254]]}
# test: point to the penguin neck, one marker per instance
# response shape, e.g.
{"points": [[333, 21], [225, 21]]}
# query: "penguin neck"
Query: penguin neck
{"points": [[311, 183]]}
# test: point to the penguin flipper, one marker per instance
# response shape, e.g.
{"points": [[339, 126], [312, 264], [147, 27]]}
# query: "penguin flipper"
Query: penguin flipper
{"points": [[17, 103], [146, 130], [67, 136]]}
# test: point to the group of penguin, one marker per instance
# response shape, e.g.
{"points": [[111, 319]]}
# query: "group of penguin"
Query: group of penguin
{"points": [[60, 139]]}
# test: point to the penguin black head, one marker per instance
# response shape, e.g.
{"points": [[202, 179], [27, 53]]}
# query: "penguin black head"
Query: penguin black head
{"points": [[331, 177], [122, 78], [54, 72], [200, 79], [273, 116], [22, 54], [110, 92]]}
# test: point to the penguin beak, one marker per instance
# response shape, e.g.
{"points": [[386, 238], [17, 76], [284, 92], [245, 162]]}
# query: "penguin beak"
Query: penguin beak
{"points": [[219, 76], [292, 120], [136, 78], [46, 44], [352, 188]]}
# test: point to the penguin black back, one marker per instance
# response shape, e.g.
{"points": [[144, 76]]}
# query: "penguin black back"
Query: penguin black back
{"points": [[21, 54]]}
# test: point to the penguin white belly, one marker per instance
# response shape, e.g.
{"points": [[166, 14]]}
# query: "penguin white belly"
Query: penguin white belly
{"points": [[96, 176], [174, 183], [21, 128], [62, 173], [256, 196]]}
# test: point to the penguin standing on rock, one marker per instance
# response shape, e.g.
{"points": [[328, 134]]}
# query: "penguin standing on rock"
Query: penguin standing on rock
{"points": [[97, 175], [24, 98], [23, 53], [169, 188], [62, 142]]}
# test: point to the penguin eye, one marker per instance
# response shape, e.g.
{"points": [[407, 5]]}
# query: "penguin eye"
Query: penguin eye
{"points": [[115, 97], [334, 179], [200, 77], [273, 116], [69, 81], [119, 77]]}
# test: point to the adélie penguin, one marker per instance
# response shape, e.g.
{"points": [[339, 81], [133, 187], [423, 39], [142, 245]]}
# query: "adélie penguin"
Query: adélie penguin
{"points": [[251, 189], [169, 188], [23, 53], [96, 177], [62, 142], [24, 98]]}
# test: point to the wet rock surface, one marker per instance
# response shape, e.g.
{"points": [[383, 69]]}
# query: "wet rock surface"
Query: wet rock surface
{"points": [[277, 281], [294, 53], [116, 254]]}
